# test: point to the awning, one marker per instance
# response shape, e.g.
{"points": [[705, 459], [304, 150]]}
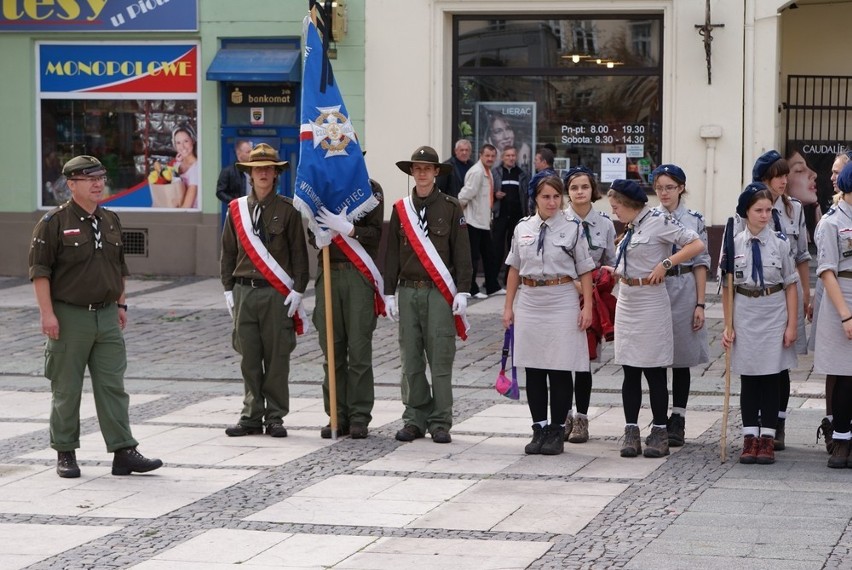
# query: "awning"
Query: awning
{"points": [[233, 64]]}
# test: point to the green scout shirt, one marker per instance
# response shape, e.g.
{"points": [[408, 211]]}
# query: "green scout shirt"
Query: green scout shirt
{"points": [[447, 231], [281, 230], [63, 250]]}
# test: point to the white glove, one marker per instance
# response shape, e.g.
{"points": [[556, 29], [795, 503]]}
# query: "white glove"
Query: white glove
{"points": [[322, 238], [460, 303], [229, 302], [390, 307], [334, 222], [293, 301]]}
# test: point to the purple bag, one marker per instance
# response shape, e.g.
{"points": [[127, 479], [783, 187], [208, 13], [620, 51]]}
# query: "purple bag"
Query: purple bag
{"points": [[503, 385]]}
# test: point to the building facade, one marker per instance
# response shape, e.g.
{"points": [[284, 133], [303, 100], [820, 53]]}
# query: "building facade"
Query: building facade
{"points": [[619, 86]]}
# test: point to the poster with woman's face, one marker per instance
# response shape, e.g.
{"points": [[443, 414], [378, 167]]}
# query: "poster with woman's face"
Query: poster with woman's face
{"points": [[507, 124]]}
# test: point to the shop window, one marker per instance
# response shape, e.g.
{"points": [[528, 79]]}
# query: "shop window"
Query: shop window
{"points": [[134, 107], [590, 86]]}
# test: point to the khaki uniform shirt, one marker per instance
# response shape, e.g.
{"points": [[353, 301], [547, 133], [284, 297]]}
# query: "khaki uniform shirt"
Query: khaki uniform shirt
{"points": [[63, 250], [281, 230], [447, 231]]}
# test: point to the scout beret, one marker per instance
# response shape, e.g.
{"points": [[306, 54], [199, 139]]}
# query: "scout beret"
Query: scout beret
{"points": [[672, 170], [745, 197], [763, 163], [577, 171], [844, 179], [629, 189]]}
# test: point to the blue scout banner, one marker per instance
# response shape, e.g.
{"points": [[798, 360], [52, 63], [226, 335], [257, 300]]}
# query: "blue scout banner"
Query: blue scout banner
{"points": [[331, 172], [99, 16]]}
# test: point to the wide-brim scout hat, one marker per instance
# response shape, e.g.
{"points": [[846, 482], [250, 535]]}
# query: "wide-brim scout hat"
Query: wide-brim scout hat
{"points": [[263, 155], [424, 155], [83, 165]]}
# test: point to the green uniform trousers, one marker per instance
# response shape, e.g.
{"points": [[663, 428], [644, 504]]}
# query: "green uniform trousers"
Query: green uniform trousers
{"points": [[353, 308], [426, 333], [265, 337], [93, 339]]}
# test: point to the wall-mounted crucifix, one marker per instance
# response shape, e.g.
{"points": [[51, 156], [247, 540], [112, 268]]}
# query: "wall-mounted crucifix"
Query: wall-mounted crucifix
{"points": [[706, 32]]}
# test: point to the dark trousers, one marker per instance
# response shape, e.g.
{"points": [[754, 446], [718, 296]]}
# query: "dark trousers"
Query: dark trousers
{"points": [[631, 393], [481, 247], [561, 389], [841, 404], [759, 397], [502, 229]]}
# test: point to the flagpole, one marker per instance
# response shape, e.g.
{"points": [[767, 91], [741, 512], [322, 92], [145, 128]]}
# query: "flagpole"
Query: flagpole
{"points": [[728, 293], [329, 341]]}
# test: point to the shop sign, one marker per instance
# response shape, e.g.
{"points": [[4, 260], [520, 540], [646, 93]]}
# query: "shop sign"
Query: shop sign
{"points": [[98, 16], [267, 95], [118, 68]]}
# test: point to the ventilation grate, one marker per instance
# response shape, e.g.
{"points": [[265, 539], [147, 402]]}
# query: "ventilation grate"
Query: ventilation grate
{"points": [[135, 242]]}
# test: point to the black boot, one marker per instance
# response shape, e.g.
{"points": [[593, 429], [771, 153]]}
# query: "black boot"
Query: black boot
{"points": [[554, 440], [676, 427], [128, 460], [66, 465], [534, 446]]}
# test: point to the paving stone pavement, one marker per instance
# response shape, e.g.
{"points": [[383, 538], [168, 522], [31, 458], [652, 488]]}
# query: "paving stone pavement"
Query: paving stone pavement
{"points": [[304, 502]]}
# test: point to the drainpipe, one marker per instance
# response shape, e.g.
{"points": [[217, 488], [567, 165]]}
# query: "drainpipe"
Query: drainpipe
{"points": [[748, 90]]}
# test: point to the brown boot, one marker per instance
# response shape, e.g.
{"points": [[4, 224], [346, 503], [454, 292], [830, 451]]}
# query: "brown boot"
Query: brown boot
{"points": [[766, 450], [839, 454], [780, 435], [569, 426], [632, 442], [580, 431], [749, 454], [657, 443]]}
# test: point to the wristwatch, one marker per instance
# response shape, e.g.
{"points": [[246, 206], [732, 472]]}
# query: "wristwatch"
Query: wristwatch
{"points": [[667, 264], [120, 306]]}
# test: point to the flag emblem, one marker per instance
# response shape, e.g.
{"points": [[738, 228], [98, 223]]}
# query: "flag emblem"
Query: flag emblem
{"points": [[332, 130]]}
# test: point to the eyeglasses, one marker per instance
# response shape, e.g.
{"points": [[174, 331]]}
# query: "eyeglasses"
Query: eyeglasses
{"points": [[90, 179], [666, 189]]}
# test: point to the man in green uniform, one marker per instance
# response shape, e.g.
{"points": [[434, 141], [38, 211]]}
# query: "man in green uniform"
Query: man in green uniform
{"points": [[77, 268], [264, 226], [426, 318], [354, 310]]}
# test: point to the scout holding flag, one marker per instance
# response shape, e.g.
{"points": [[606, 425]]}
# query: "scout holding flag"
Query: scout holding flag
{"points": [[334, 193]]}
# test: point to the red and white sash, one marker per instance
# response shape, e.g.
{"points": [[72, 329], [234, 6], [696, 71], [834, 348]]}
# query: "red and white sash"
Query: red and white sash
{"points": [[431, 260], [263, 260], [362, 261]]}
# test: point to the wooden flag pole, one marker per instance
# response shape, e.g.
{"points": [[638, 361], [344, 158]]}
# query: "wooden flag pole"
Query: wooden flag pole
{"points": [[329, 341], [729, 326]]}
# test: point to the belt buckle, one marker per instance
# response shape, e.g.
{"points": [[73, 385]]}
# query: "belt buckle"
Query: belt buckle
{"points": [[540, 282], [253, 286], [92, 307]]}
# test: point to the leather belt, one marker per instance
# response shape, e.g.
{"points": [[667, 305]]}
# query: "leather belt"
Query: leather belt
{"points": [[545, 282], [253, 283], [845, 274], [90, 306], [679, 270], [416, 284], [635, 282], [754, 293]]}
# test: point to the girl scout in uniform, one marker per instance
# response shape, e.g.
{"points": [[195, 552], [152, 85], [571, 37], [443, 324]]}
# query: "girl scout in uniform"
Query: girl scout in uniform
{"points": [[833, 354], [763, 336], [685, 284], [548, 253], [643, 320], [599, 233], [825, 426], [772, 169]]}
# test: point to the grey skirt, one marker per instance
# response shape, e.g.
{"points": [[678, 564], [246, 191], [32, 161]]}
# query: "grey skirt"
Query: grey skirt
{"points": [[802, 336], [690, 347], [546, 332], [833, 352], [759, 324], [643, 327], [818, 293]]}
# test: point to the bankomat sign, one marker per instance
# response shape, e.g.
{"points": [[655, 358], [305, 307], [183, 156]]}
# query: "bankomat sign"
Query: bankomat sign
{"points": [[118, 67], [99, 16]]}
